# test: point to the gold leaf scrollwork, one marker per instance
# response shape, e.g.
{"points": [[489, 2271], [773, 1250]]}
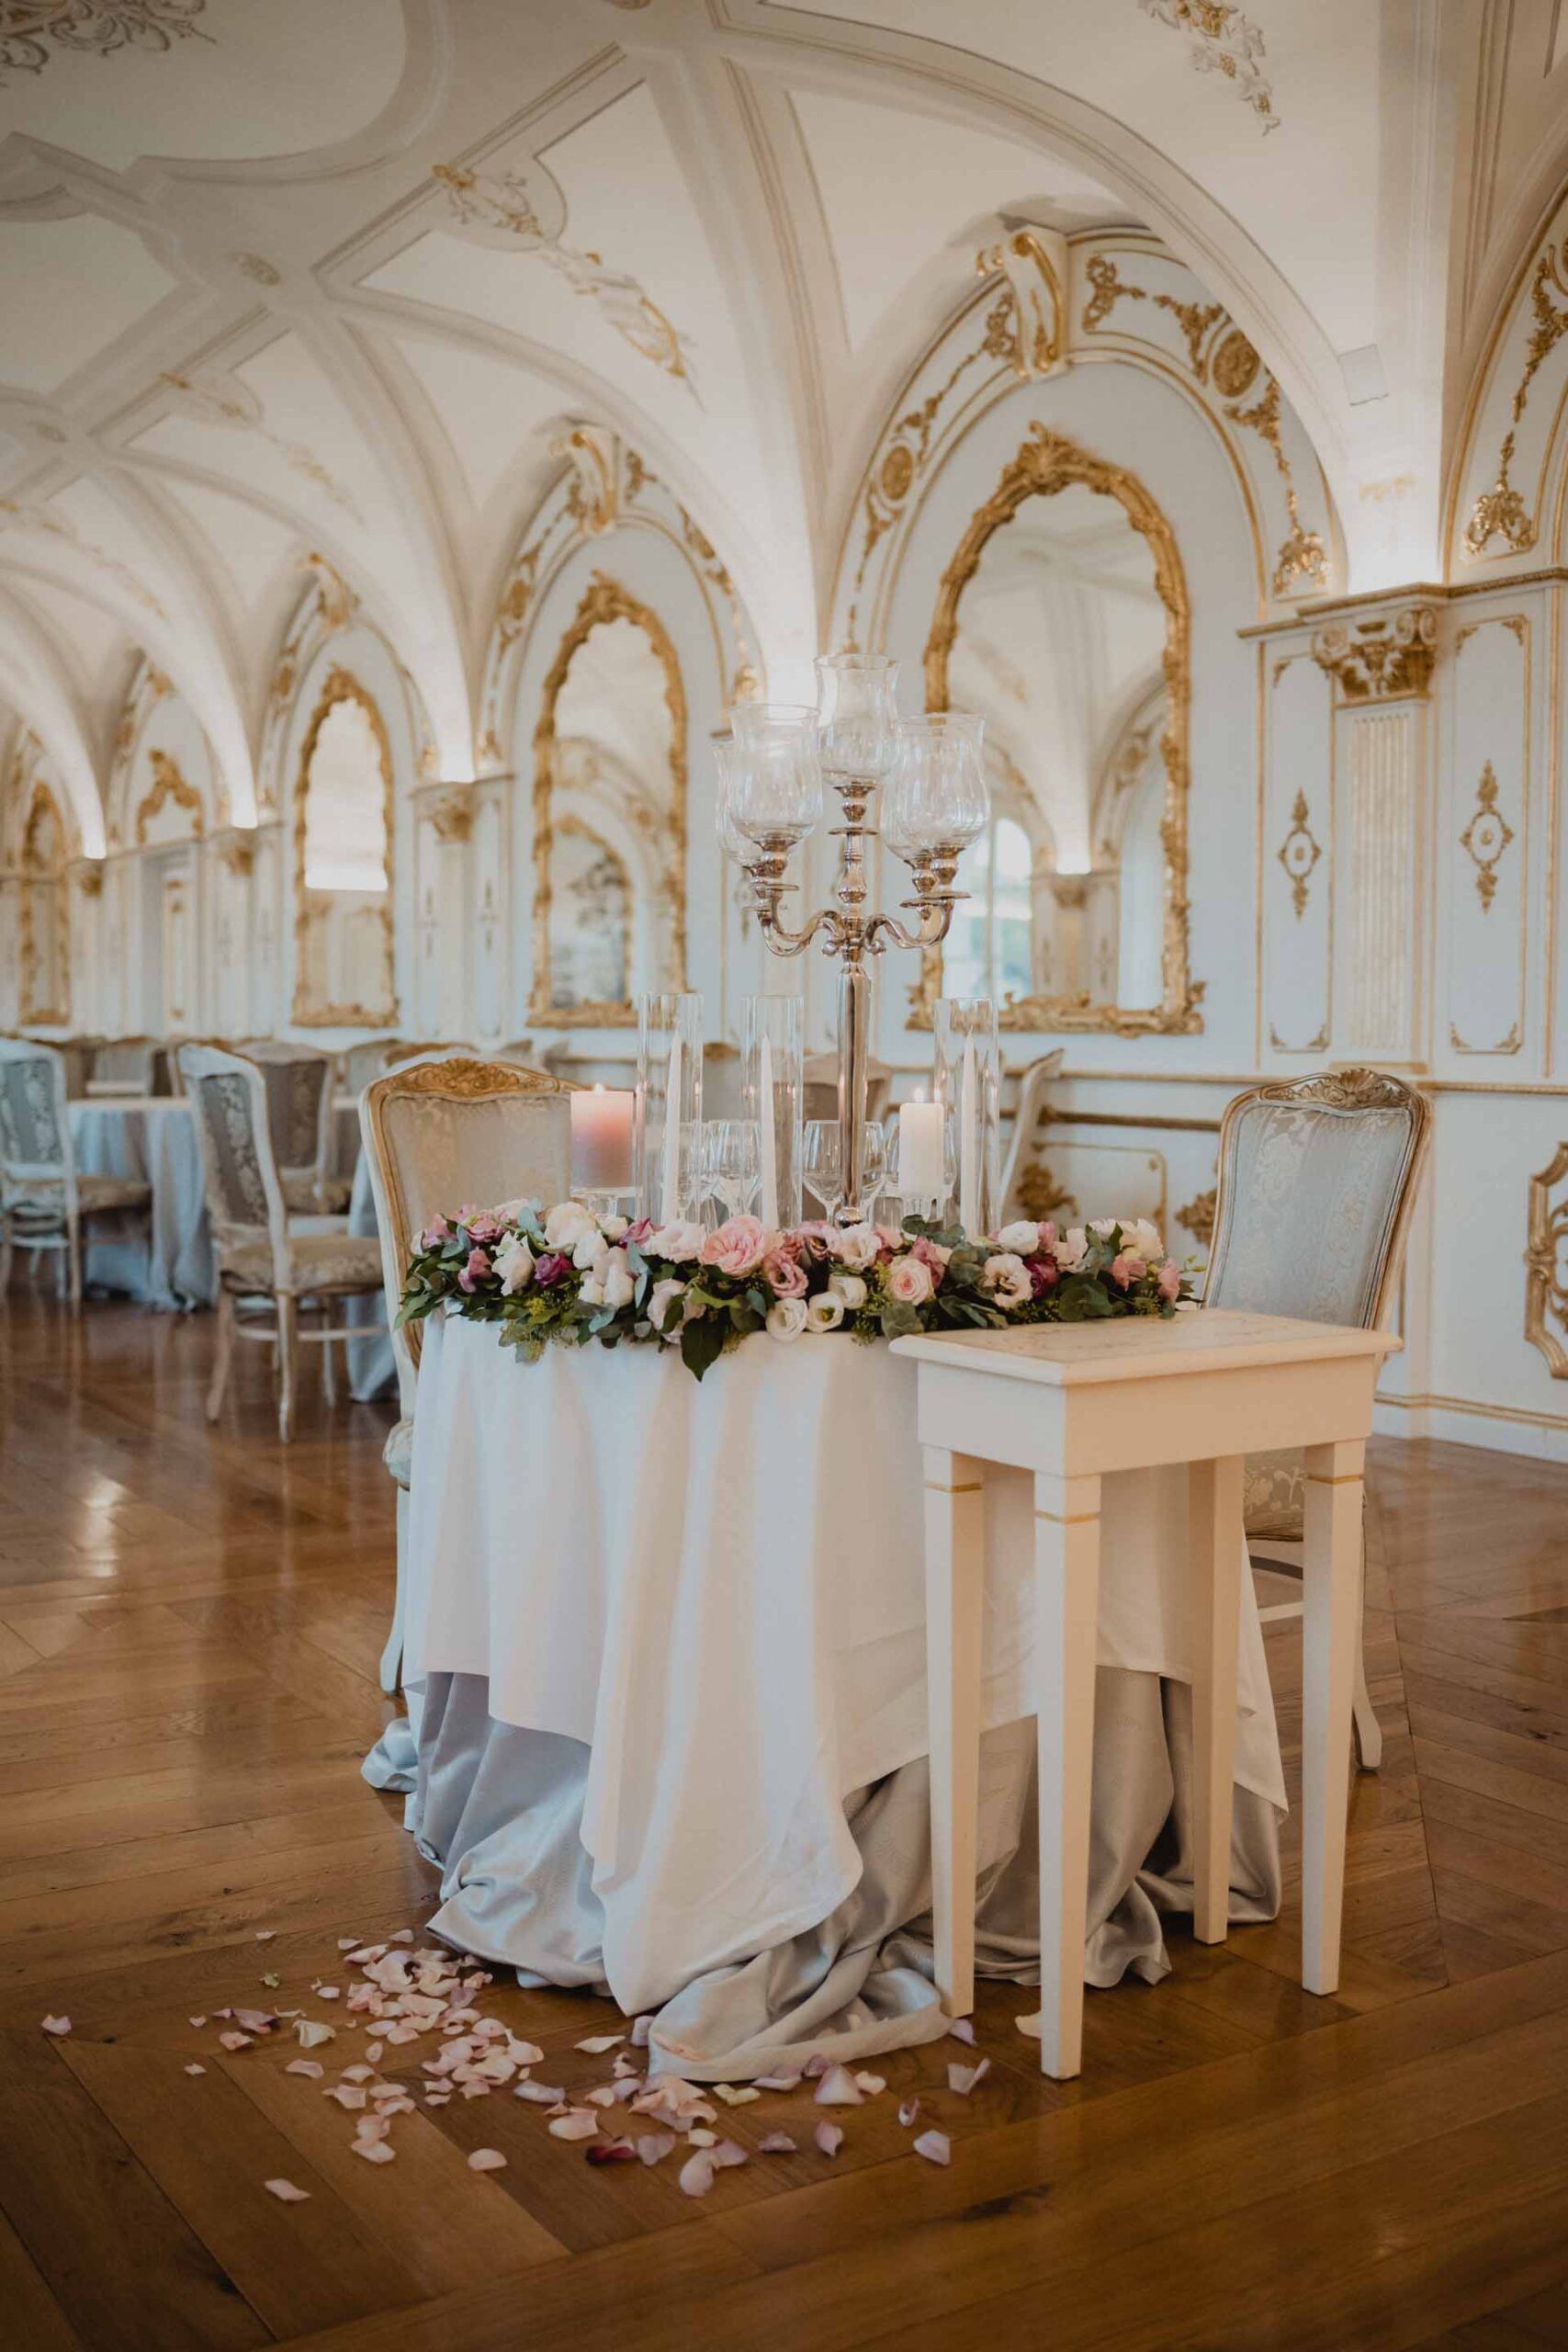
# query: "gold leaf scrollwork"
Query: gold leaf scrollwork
{"points": [[1486, 837], [1040, 1195], [1222, 39], [1035, 290], [1500, 511], [1382, 659], [168, 784], [1546, 1266], [1198, 1216], [1298, 853], [96, 26]]}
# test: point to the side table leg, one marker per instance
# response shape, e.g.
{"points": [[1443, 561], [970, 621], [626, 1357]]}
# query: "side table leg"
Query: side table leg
{"points": [[1215, 1563], [1331, 1631], [1066, 1569], [955, 1532]]}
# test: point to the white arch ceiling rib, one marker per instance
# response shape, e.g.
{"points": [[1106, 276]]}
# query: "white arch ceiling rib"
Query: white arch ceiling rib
{"points": [[329, 282]]}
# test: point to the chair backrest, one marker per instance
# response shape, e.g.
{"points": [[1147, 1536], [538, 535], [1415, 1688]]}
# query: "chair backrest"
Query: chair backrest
{"points": [[397, 1051], [448, 1131], [1033, 1087], [34, 1130], [1318, 1183], [299, 1101], [244, 1195], [820, 1086], [125, 1065]]}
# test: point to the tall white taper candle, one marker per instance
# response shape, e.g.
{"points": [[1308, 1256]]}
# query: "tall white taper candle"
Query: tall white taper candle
{"points": [[769, 1152], [670, 1198]]}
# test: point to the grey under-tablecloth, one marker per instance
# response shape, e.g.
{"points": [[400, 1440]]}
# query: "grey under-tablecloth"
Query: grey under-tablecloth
{"points": [[153, 1138], [372, 1370]]}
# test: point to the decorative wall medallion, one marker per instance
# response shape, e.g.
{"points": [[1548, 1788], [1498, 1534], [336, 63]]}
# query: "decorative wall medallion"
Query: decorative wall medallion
{"points": [[452, 814], [1198, 1216], [1546, 1266], [1486, 837], [168, 784], [1034, 284], [1508, 1044], [96, 26], [1501, 512], [1221, 40], [1381, 660], [504, 203], [234, 407], [1039, 1193], [1298, 853]]}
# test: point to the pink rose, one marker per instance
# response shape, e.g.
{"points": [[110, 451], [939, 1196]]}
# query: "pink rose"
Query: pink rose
{"points": [[787, 1245], [1170, 1281], [1043, 1274], [486, 1229], [737, 1247], [816, 1238], [638, 1233], [932, 1255], [890, 1242], [1128, 1268], [437, 1230], [474, 1272], [785, 1275], [909, 1280]]}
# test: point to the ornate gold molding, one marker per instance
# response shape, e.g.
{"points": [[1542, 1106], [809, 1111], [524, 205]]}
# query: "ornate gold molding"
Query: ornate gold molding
{"points": [[168, 784], [1318, 1045], [90, 879], [96, 26], [1221, 38], [1486, 837], [1046, 463], [236, 852], [1546, 1266], [1501, 512], [1298, 854], [1039, 1193], [1381, 660], [1198, 1216], [341, 685], [451, 814], [605, 600], [1035, 288]]}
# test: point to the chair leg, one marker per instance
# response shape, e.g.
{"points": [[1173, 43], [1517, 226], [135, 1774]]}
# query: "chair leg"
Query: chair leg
{"points": [[217, 1386], [73, 1268], [329, 1354], [286, 1366], [1368, 1731]]}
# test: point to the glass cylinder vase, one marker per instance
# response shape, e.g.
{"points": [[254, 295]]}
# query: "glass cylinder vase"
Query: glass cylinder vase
{"points": [[667, 1133], [771, 1056], [968, 1085]]}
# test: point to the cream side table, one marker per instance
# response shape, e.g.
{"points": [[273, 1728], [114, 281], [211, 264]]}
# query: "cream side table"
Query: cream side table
{"points": [[1071, 1402]]}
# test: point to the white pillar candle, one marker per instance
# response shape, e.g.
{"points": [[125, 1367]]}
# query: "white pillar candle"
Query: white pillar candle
{"points": [[602, 1140], [768, 1148], [670, 1198], [968, 1145], [919, 1151]]}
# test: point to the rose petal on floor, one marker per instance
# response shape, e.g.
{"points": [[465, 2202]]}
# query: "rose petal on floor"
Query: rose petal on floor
{"points": [[597, 2043], [58, 2027], [828, 2137], [838, 2087], [286, 2192], [728, 2153], [375, 2152], [736, 2096], [611, 2152], [935, 2146], [962, 2030], [872, 2084], [577, 2123], [311, 2068], [197, 2022], [639, 2033], [909, 2111], [1031, 2026], [194, 2069], [696, 2174], [963, 2079], [487, 2160], [601, 2096], [776, 2082], [654, 2146], [310, 2033], [700, 2137], [777, 2143], [232, 2040], [542, 2094]]}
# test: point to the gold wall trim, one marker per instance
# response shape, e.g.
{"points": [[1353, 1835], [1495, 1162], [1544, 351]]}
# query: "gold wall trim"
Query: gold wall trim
{"points": [[1046, 463], [1298, 853], [1546, 1266], [604, 600], [1388, 658], [342, 686], [168, 784], [34, 876], [1501, 512]]}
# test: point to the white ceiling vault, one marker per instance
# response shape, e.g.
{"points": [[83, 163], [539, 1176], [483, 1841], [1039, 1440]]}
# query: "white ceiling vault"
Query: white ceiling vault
{"points": [[299, 280]]}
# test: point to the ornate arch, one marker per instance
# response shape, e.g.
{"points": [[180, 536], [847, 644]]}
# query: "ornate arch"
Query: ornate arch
{"points": [[341, 687], [602, 601]]}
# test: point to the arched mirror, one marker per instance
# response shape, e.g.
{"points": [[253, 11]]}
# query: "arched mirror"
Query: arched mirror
{"points": [[609, 816], [342, 824], [1063, 619], [45, 940]]}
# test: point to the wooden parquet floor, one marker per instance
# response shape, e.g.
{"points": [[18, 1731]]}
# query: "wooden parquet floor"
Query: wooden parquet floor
{"points": [[189, 1622]]}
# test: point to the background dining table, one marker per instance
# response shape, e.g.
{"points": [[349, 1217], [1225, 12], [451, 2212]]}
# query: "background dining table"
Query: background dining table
{"points": [[169, 1263]]}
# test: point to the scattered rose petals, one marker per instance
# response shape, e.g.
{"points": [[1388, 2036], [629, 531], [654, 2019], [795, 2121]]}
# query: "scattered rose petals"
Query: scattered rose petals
{"points": [[347, 1943], [872, 2084], [611, 2152], [838, 2087], [828, 2137], [597, 2043], [197, 2022], [728, 2153], [700, 2137], [816, 2067], [639, 2033], [524, 2054], [286, 2192], [541, 2093], [776, 2082], [487, 2160], [232, 2040], [375, 2152], [58, 2027], [1031, 2026], [736, 2096], [935, 2146], [266, 1935], [328, 1993], [373, 2052], [963, 2079], [196, 2070], [962, 2030], [310, 2033], [654, 2146], [256, 2021], [402, 1936], [348, 2095], [909, 2111], [311, 2068], [602, 2096], [577, 2123], [272, 1980], [777, 2143], [696, 2174], [357, 2074]]}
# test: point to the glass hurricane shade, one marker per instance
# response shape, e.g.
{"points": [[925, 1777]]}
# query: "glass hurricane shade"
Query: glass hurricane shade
{"points": [[857, 714], [936, 796], [731, 839], [775, 778]]}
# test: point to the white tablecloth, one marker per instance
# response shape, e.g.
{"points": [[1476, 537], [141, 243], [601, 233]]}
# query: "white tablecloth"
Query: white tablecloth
{"points": [[718, 1590], [372, 1370], [152, 1137]]}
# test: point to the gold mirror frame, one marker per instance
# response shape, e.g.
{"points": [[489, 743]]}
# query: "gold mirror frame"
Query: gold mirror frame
{"points": [[605, 600], [1046, 463], [341, 687]]}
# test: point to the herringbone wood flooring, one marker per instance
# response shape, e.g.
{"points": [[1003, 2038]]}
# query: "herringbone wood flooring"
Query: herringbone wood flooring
{"points": [[189, 1622]]}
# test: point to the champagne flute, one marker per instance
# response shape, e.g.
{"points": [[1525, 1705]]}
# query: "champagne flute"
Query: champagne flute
{"points": [[821, 1163], [734, 1155]]}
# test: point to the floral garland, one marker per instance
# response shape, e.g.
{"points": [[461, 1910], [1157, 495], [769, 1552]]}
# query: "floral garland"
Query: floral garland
{"points": [[568, 1275]]}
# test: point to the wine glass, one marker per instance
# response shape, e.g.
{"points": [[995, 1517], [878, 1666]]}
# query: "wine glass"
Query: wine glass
{"points": [[822, 1161], [857, 715], [775, 776], [732, 1157], [936, 798]]}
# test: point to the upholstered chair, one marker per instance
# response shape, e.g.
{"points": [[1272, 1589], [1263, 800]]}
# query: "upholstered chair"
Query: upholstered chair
{"points": [[300, 1113], [267, 1274], [1318, 1183], [1033, 1088], [439, 1134], [44, 1203]]}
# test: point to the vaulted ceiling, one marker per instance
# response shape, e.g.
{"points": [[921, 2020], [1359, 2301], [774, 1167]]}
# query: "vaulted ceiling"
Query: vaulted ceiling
{"points": [[302, 279]]}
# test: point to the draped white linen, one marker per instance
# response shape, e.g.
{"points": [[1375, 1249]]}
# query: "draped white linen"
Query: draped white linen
{"points": [[151, 1137], [718, 1592]]}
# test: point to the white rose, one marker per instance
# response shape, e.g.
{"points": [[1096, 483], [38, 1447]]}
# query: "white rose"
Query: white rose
{"points": [[567, 1224], [1144, 1239], [617, 1280], [825, 1312], [1022, 1238], [1007, 1278], [590, 1252], [512, 1210], [513, 1261], [679, 1241], [591, 1291], [856, 1247], [658, 1301], [613, 1228], [848, 1289], [1070, 1250], [787, 1320], [1104, 1226]]}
